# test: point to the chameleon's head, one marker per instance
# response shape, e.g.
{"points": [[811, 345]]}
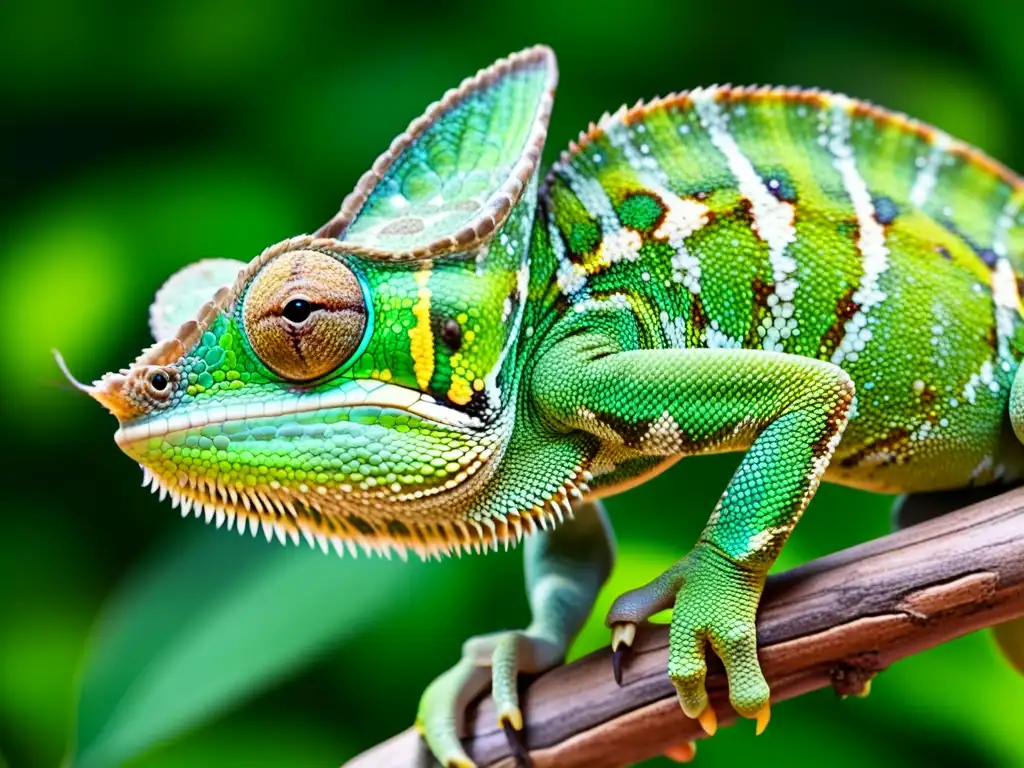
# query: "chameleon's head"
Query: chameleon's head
{"points": [[356, 385]]}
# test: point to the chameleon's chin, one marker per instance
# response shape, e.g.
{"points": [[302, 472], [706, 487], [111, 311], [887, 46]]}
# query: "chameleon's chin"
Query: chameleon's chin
{"points": [[332, 466]]}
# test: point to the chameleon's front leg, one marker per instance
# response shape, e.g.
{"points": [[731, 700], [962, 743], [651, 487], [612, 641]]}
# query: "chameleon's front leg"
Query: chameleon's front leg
{"points": [[791, 412], [565, 568]]}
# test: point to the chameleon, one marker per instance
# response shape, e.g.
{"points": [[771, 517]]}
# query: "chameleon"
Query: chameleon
{"points": [[471, 354]]}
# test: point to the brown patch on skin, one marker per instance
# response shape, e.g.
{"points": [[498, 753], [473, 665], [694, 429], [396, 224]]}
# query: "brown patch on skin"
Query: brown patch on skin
{"points": [[743, 211], [893, 442], [761, 290], [992, 336], [820, 447], [632, 434], [845, 309], [943, 251], [928, 394]]}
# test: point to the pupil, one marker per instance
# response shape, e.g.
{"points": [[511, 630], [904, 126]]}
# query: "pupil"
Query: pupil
{"points": [[297, 310], [159, 382]]}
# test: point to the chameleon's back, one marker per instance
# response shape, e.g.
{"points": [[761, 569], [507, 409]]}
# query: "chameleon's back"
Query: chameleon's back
{"points": [[812, 224]]}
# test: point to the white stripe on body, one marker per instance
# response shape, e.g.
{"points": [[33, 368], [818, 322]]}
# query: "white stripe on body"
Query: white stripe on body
{"points": [[773, 218], [871, 242]]}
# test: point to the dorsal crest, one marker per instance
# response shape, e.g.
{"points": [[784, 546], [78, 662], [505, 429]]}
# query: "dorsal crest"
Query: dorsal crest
{"points": [[451, 179]]}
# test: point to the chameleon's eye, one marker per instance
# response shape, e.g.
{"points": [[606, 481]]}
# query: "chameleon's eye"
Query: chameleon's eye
{"points": [[155, 383], [158, 381], [305, 314]]}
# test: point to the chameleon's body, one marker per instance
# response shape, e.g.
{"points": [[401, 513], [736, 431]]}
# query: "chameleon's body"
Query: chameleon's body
{"points": [[464, 354]]}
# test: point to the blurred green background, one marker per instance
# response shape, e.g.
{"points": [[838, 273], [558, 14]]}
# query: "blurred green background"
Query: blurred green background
{"points": [[138, 137]]}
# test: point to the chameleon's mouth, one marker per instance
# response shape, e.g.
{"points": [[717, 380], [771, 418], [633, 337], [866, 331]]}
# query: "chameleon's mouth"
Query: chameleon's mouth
{"points": [[357, 393], [363, 463]]}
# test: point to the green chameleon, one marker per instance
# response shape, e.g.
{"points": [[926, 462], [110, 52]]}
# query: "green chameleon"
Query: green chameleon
{"points": [[465, 354]]}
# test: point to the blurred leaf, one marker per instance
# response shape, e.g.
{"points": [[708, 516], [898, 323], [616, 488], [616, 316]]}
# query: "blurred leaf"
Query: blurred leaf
{"points": [[244, 740], [214, 620]]}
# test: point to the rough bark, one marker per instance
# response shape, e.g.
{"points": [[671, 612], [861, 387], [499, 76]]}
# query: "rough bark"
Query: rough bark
{"points": [[835, 621]]}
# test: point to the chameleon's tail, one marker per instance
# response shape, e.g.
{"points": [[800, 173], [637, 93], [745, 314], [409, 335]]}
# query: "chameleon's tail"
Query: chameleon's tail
{"points": [[1010, 639]]}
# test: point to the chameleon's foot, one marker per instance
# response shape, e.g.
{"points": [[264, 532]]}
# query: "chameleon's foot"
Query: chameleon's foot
{"points": [[715, 603], [682, 753], [565, 568], [498, 659]]}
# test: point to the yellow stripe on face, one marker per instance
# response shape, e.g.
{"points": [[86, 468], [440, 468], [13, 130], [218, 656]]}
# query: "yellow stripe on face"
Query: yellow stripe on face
{"points": [[460, 392], [421, 339]]}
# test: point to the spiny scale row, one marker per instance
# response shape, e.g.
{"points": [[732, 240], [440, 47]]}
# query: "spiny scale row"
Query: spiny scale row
{"points": [[441, 538]]}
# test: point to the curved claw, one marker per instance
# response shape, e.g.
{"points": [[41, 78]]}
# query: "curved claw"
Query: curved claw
{"points": [[617, 666], [623, 635], [763, 716], [516, 746], [708, 720]]}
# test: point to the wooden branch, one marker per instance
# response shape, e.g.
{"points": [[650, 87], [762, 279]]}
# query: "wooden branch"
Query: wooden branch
{"points": [[834, 621]]}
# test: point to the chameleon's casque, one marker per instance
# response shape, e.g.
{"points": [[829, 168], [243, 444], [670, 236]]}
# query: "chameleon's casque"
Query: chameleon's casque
{"points": [[463, 354]]}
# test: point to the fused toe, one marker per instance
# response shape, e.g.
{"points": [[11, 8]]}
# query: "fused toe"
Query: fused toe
{"points": [[716, 606]]}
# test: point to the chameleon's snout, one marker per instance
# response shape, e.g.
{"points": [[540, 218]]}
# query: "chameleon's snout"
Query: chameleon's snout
{"points": [[127, 394]]}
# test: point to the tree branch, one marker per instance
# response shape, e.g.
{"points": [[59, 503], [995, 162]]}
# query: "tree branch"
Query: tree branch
{"points": [[834, 621]]}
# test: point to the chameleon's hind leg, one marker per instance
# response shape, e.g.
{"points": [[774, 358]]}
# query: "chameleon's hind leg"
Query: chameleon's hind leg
{"points": [[791, 412], [565, 568]]}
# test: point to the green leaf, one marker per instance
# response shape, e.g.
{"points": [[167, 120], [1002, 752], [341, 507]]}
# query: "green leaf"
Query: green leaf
{"points": [[211, 621]]}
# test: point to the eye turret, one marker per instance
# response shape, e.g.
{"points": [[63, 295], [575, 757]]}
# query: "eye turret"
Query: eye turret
{"points": [[305, 315]]}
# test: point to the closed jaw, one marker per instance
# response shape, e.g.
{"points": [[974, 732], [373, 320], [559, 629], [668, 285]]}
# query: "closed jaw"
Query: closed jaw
{"points": [[360, 392]]}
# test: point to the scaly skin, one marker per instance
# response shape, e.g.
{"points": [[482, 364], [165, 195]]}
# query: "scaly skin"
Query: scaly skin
{"points": [[463, 356]]}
